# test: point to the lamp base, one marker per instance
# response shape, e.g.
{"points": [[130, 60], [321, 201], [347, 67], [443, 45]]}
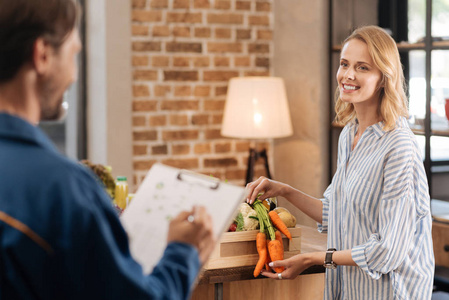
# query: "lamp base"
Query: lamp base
{"points": [[252, 159]]}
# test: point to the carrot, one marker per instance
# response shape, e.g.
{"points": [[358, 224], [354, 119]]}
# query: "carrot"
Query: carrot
{"points": [[267, 267], [276, 252], [277, 222], [279, 238], [261, 244]]}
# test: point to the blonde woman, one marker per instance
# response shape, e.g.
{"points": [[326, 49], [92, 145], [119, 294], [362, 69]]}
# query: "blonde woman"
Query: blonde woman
{"points": [[376, 211]]}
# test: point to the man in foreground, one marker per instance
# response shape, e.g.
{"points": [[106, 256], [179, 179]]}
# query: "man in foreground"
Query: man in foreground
{"points": [[59, 235]]}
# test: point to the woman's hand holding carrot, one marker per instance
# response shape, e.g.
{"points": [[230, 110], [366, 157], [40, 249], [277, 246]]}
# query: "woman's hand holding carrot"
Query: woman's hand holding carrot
{"points": [[294, 266], [265, 188]]}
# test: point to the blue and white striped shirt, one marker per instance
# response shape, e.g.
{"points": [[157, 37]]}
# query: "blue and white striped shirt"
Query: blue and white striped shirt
{"points": [[378, 206]]}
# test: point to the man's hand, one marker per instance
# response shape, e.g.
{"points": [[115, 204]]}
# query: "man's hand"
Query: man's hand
{"points": [[195, 228]]}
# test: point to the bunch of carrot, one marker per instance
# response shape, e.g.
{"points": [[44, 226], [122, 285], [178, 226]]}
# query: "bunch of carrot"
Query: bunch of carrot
{"points": [[271, 248]]}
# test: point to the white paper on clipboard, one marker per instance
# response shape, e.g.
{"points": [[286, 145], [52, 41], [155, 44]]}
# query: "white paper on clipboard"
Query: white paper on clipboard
{"points": [[164, 193]]}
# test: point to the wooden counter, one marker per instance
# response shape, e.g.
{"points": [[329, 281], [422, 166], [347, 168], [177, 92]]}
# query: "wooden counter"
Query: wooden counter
{"points": [[239, 282]]}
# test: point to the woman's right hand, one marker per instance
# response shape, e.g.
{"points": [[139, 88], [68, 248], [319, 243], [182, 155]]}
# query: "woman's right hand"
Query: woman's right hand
{"points": [[266, 187]]}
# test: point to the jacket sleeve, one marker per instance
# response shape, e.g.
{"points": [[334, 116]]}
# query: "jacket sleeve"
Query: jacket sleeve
{"points": [[386, 249], [95, 262]]}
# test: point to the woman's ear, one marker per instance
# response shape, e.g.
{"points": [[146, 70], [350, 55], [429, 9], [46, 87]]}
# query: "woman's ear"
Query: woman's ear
{"points": [[41, 58]]}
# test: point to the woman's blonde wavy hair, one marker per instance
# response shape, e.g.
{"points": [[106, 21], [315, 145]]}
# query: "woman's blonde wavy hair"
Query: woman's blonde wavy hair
{"points": [[393, 101]]}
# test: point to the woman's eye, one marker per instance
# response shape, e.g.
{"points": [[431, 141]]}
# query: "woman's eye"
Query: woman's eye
{"points": [[343, 64], [363, 68]]}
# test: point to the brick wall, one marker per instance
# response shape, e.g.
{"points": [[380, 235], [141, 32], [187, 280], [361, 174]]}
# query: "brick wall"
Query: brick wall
{"points": [[183, 54]]}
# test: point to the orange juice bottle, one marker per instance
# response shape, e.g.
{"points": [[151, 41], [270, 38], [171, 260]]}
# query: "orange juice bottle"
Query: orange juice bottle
{"points": [[121, 191]]}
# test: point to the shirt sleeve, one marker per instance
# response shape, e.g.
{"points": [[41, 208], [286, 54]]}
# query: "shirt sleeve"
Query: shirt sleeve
{"points": [[95, 262], [386, 249]]}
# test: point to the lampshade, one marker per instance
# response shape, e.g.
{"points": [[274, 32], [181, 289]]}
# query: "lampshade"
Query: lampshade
{"points": [[256, 108]]}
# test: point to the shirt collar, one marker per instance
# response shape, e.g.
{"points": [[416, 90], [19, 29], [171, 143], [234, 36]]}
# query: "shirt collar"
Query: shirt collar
{"points": [[377, 128], [13, 127]]}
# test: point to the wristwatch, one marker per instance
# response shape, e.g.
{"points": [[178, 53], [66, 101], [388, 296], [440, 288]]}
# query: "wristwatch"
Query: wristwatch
{"points": [[328, 262]]}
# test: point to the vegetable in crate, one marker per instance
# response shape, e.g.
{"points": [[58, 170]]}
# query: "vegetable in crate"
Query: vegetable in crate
{"points": [[286, 217], [104, 174], [246, 218]]}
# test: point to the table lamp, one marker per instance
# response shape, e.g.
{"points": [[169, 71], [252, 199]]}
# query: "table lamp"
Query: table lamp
{"points": [[256, 108]]}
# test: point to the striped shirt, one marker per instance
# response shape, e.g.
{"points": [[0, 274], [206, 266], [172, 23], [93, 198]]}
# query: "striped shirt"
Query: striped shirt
{"points": [[378, 206]]}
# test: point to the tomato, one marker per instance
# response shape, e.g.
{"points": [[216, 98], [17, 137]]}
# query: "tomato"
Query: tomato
{"points": [[233, 227]]}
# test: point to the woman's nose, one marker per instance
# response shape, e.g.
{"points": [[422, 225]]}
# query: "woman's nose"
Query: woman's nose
{"points": [[350, 74]]}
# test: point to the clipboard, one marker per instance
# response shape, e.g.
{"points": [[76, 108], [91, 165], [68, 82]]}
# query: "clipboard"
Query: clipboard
{"points": [[164, 193]]}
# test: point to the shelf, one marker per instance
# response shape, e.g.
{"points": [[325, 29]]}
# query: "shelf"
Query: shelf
{"points": [[404, 46]]}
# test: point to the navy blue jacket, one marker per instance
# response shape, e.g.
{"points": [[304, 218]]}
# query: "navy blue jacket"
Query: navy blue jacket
{"points": [[60, 237]]}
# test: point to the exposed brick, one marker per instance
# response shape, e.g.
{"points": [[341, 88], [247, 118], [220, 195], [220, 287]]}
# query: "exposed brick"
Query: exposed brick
{"points": [[243, 5], [183, 47], [181, 61], [139, 150], [222, 4], [179, 120], [202, 61], [217, 119], [201, 119], [138, 3], [161, 31], [259, 20], [201, 91], [139, 61], [221, 90], [179, 135], [147, 135], [262, 62], [161, 90], [159, 150], [202, 32], [139, 121], [257, 73], [224, 47], [222, 147], [141, 91], [160, 61], [242, 146], [214, 105], [146, 46], [180, 105], [258, 48], [180, 149], [181, 4], [201, 4], [139, 30], [184, 17], [243, 34], [224, 18], [190, 163], [145, 75], [242, 61], [181, 31], [159, 3], [220, 162], [146, 16], [202, 148], [212, 134], [144, 105], [221, 61], [264, 34], [159, 120], [144, 165], [183, 90], [219, 75], [223, 33], [235, 174], [263, 6], [180, 75]]}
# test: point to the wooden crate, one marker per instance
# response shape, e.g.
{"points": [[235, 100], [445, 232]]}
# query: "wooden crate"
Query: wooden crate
{"points": [[238, 249]]}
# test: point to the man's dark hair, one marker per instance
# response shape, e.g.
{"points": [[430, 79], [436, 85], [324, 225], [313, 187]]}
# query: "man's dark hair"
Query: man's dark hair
{"points": [[24, 21]]}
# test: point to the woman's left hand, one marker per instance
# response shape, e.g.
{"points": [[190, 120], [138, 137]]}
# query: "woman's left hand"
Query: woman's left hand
{"points": [[294, 266]]}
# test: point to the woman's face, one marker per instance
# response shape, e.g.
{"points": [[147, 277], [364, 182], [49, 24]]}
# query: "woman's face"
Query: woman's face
{"points": [[358, 78]]}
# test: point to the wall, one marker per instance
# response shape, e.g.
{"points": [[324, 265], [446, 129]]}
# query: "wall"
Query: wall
{"points": [[183, 54]]}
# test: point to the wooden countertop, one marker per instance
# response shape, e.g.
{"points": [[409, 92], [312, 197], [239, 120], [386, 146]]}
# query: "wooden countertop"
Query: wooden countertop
{"points": [[311, 241]]}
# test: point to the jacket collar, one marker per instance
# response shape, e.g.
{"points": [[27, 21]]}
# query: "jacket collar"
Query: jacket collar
{"points": [[15, 128]]}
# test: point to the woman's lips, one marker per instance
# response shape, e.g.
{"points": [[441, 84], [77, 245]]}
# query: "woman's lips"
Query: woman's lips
{"points": [[349, 87]]}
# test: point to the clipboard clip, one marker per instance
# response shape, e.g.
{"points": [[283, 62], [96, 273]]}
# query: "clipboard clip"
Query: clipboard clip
{"points": [[195, 178]]}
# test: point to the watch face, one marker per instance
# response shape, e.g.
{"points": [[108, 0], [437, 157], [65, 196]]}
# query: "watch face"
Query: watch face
{"points": [[330, 266]]}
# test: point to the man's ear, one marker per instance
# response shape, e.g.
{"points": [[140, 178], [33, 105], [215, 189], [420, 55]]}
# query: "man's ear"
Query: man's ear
{"points": [[41, 56]]}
